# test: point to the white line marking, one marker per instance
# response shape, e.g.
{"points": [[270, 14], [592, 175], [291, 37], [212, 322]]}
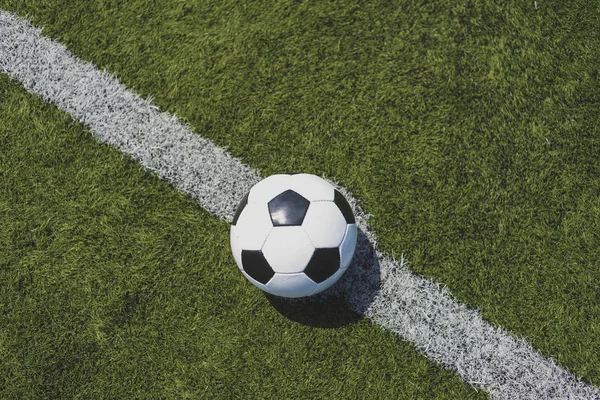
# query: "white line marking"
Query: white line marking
{"points": [[415, 308]]}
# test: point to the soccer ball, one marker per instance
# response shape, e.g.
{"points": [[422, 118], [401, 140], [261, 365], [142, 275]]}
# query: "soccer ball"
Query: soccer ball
{"points": [[293, 235]]}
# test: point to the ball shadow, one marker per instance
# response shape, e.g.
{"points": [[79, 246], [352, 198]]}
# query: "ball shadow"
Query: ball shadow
{"points": [[346, 301], [332, 313]]}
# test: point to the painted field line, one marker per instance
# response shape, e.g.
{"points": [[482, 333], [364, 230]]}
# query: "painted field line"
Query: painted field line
{"points": [[416, 309]]}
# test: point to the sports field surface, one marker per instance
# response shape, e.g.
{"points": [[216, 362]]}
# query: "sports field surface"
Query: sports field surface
{"points": [[465, 134]]}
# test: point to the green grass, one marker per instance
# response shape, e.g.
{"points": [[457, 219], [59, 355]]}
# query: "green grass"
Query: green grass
{"points": [[472, 128], [116, 286]]}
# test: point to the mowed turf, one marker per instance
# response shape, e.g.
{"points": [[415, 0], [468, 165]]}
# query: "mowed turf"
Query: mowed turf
{"points": [[116, 286], [467, 129]]}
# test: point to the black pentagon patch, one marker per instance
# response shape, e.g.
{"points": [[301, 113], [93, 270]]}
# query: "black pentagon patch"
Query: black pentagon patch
{"points": [[323, 264], [256, 265], [240, 208], [288, 208], [344, 207]]}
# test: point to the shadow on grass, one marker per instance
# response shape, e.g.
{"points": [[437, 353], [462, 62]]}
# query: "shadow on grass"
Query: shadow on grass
{"points": [[346, 301], [332, 313]]}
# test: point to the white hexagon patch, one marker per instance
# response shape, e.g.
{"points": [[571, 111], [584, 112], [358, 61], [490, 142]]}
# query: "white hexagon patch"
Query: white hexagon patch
{"points": [[312, 187], [348, 246], [291, 285], [324, 224], [253, 227], [288, 249]]}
